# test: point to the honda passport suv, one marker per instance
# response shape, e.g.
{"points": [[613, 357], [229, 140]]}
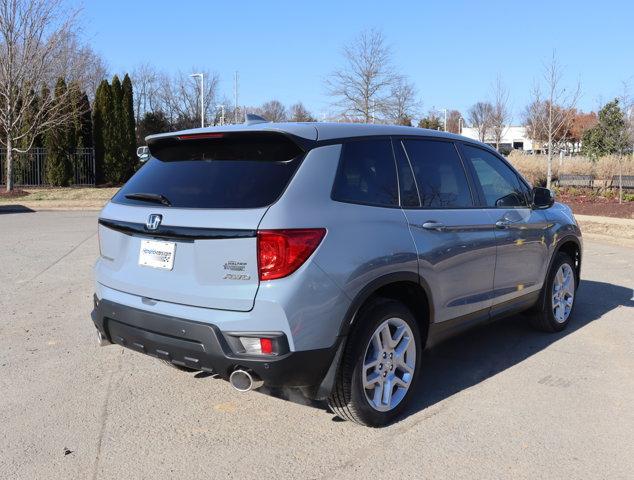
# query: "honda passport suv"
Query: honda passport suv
{"points": [[325, 256]]}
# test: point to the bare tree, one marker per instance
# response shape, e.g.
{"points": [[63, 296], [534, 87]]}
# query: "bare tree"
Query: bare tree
{"points": [[298, 113], [403, 105], [179, 97], [551, 115], [480, 117], [500, 114], [36, 48], [146, 89], [454, 121], [273, 111], [362, 86]]}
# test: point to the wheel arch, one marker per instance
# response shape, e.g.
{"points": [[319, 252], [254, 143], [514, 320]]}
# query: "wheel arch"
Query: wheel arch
{"points": [[407, 287], [570, 245]]}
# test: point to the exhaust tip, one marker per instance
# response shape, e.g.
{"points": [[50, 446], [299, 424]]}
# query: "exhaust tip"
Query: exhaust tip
{"points": [[243, 380], [102, 341]]}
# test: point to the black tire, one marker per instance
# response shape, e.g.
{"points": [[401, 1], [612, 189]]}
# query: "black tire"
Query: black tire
{"points": [[178, 367], [542, 316], [348, 399]]}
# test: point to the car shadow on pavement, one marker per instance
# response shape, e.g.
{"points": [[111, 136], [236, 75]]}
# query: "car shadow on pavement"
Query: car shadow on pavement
{"points": [[15, 209], [484, 351]]}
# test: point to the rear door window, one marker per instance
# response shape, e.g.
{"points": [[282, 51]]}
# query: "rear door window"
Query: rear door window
{"points": [[367, 174], [220, 171], [439, 173]]}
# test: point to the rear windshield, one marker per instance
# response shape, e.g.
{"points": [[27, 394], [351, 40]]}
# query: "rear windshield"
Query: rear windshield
{"points": [[229, 171]]}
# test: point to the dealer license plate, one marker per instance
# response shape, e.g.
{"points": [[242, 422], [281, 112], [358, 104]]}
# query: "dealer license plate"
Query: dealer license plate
{"points": [[157, 254]]}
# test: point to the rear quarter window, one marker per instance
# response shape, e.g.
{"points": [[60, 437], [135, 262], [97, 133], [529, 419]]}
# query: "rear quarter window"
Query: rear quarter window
{"points": [[227, 171], [367, 174]]}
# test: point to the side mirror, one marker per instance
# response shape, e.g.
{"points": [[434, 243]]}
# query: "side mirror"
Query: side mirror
{"points": [[143, 153], [543, 198]]}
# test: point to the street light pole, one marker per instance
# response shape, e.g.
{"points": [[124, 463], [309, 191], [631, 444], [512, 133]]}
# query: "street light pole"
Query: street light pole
{"points": [[202, 98]]}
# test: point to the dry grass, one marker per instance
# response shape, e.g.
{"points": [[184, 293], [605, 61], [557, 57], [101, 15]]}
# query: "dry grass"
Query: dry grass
{"points": [[62, 198], [534, 167]]}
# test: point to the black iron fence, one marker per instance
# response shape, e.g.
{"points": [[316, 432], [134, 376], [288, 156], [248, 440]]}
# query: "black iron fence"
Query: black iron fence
{"points": [[29, 169]]}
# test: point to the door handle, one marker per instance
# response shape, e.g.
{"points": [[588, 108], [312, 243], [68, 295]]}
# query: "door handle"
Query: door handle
{"points": [[431, 225], [502, 224]]}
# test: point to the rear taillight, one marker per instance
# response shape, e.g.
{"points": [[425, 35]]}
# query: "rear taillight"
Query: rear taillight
{"points": [[281, 252]]}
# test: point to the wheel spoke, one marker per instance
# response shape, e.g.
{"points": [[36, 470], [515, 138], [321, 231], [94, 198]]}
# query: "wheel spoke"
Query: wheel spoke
{"points": [[560, 278], [386, 337], [386, 398], [368, 364], [400, 382], [376, 342], [403, 346], [398, 336], [372, 380]]}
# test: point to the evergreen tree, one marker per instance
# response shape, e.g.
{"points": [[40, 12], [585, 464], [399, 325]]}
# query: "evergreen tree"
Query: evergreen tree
{"points": [[152, 122], [609, 135], [115, 146], [58, 145], [129, 133], [84, 133], [100, 120]]}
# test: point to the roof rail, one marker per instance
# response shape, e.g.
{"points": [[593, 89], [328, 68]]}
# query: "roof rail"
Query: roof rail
{"points": [[252, 119]]}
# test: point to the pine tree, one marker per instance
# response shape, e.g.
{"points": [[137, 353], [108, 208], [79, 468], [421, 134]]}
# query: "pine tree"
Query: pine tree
{"points": [[58, 145], [115, 146], [84, 133], [609, 135], [129, 133], [100, 118]]}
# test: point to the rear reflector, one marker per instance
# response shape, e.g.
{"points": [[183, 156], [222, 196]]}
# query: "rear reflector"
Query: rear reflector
{"points": [[199, 136], [258, 346], [281, 252]]}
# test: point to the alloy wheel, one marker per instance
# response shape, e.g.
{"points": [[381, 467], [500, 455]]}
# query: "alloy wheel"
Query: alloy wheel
{"points": [[388, 364]]}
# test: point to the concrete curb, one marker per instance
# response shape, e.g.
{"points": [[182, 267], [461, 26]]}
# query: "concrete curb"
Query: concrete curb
{"points": [[606, 228]]}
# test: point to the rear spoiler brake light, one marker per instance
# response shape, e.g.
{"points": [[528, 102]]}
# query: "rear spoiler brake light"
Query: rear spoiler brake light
{"points": [[200, 136]]}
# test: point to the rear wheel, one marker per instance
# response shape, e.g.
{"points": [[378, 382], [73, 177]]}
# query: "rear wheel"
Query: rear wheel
{"points": [[558, 297], [380, 365]]}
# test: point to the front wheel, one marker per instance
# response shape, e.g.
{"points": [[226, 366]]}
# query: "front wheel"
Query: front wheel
{"points": [[558, 297], [380, 365]]}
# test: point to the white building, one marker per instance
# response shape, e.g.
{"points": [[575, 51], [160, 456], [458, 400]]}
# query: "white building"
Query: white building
{"points": [[514, 138]]}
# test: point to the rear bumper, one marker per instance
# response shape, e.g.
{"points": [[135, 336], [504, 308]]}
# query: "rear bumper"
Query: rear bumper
{"points": [[203, 346]]}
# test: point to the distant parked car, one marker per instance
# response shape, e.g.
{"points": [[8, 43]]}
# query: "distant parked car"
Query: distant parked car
{"points": [[326, 256]]}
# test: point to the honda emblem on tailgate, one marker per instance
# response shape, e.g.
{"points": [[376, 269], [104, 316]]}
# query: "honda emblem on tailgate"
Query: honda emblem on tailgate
{"points": [[153, 221]]}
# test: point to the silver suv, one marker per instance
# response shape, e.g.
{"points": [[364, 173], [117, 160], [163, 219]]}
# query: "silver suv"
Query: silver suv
{"points": [[325, 256]]}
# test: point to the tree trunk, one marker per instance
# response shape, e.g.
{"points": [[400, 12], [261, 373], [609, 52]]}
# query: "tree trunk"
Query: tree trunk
{"points": [[9, 158]]}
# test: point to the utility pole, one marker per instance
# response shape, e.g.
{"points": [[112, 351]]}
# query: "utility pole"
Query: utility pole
{"points": [[202, 98]]}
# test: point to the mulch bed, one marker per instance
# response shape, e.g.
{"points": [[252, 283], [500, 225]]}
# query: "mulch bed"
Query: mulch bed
{"points": [[595, 205], [15, 193]]}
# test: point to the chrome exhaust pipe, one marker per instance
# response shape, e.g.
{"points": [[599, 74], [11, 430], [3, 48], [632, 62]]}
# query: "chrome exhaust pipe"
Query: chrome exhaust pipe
{"points": [[102, 341], [244, 380]]}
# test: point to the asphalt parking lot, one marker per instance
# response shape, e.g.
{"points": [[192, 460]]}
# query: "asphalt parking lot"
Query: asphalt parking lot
{"points": [[502, 401]]}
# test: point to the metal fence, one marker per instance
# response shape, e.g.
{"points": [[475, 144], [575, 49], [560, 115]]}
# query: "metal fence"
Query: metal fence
{"points": [[29, 169]]}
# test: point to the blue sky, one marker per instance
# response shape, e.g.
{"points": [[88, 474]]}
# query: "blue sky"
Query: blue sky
{"points": [[452, 51]]}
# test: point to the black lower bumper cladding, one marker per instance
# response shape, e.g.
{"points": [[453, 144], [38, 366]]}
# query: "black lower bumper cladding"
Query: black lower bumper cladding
{"points": [[203, 346]]}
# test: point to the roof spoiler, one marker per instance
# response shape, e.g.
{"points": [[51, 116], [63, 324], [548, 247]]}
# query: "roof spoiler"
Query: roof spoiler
{"points": [[253, 119]]}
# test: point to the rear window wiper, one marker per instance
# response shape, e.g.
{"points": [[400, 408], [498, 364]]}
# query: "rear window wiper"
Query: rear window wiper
{"points": [[149, 197]]}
